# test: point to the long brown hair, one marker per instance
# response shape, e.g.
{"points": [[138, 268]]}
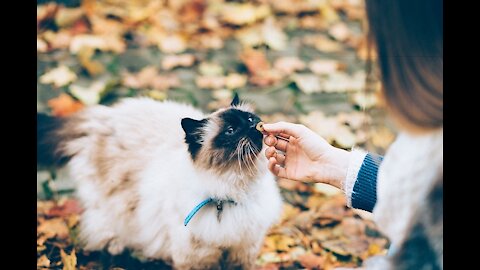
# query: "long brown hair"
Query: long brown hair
{"points": [[408, 37]]}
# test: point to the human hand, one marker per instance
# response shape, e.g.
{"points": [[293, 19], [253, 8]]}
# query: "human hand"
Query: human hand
{"points": [[305, 156]]}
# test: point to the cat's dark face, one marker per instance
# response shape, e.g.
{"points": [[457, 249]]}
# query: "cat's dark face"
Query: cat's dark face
{"points": [[227, 139]]}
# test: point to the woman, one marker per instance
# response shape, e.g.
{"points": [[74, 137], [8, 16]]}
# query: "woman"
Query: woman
{"points": [[404, 189]]}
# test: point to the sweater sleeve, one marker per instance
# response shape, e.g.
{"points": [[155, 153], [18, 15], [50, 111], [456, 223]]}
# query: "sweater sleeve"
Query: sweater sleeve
{"points": [[361, 182]]}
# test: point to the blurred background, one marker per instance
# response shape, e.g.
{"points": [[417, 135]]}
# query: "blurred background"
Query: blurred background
{"points": [[304, 61]]}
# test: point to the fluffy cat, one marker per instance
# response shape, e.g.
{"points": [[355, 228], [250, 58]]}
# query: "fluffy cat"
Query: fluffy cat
{"points": [[141, 166]]}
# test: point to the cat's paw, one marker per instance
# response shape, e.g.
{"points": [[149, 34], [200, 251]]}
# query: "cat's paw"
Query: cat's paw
{"points": [[115, 247]]}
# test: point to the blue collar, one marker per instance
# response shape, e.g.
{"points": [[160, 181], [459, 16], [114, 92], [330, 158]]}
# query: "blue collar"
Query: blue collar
{"points": [[219, 204]]}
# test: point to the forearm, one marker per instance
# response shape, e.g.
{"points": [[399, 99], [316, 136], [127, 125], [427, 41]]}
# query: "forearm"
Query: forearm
{"points": [[360, 185]]}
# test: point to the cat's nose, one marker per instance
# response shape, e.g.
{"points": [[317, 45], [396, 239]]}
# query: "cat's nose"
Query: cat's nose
{"points": [[254, 122]]}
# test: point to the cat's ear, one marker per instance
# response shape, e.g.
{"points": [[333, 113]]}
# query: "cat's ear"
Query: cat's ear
{"points": [[236, 100], [192, 126], [193, 134]]}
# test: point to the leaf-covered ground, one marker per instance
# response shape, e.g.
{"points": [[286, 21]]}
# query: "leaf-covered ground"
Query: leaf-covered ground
{"points": [[295, 60]]}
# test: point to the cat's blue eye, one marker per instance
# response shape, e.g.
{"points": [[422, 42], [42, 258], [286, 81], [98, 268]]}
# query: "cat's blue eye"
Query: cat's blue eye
{"points": [[229, 131], [250, 119]]}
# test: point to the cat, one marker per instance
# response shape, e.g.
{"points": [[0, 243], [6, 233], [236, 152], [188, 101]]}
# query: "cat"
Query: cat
{"points": [[142, 168]]}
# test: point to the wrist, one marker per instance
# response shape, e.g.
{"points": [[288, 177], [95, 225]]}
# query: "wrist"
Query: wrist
{"points": [[333, 172]]}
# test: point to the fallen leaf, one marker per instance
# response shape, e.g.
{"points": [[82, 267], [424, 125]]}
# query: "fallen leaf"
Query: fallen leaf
{"points": [[67, 16], [259, 68], [340, 31], [210, 69], [69, 261], [289, 64], [243, 13], [59, 76], [103, 43], [192, 11], [173, 61], [84, 56], [311, 261], [279, 242], [43, 261], [157, 95], [210, 82], [89, 95], [64, 105], [365, 100], [322, 66], [41, 45], [235, 80], [68, 207], [308, 83], [273, 35], [54, 227], [58, 40], [323, 43], [172, 43]]}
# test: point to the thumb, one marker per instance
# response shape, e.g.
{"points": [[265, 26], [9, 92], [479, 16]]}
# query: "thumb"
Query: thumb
{"points": [[290, 129]]}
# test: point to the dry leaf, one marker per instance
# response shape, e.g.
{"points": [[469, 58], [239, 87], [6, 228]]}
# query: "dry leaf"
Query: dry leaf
{"points": [[243, 13], [41, 45], [210, 82], [308, 83], [84, 56], [210, 69], [311, 261], [321, 66], [89, 95], [340, 31], [323, 43], [289, 64], [43, 261], [64, 105], [365, 100], [279, 242], [182, 60], [58, 40], [235, 80], [69, 261], [103, 43], [59, 76], [68, 207], [54, 227], [157, 95], [67, 16], [172, 44], [273, 35]]}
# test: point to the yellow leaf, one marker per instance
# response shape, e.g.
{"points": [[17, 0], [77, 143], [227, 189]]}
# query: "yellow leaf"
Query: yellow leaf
{"points": [[182, 60], [308, 83], [67, 16], [273, 35], [85, 58], [41, 45], [59, 76], [43, 261], [172, 44], [289, 64], [158, 95], [323, 66], [279, 242], [69, 261], [243, 13], [235, 80], [54, 227]]}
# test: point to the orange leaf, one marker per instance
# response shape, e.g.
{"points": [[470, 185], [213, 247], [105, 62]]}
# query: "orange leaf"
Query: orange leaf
{"points": [[64, 105], [311, 261]]}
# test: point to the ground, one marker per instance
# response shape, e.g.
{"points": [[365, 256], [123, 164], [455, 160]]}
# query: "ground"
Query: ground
{"points": [[296, 60]]}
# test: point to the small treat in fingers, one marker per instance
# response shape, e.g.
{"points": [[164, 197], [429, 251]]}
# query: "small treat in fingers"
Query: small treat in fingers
{"points": [[260, 127]]}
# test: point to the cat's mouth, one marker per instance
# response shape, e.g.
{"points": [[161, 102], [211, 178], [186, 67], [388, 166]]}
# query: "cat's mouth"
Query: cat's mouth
{"points": [[247, 151]]}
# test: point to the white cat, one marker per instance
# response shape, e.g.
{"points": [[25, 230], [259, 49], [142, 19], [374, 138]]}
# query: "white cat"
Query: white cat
{"points": [[142, 166]]}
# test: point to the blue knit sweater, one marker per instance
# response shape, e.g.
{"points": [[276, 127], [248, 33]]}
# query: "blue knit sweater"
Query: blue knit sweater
{"points": [[364, 195]]}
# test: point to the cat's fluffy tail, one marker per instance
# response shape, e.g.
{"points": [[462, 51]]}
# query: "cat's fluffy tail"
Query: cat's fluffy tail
{"points": [[52, 135]]}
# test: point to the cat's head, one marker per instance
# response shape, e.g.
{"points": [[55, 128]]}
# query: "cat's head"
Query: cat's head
{"points": [[226, 140]]}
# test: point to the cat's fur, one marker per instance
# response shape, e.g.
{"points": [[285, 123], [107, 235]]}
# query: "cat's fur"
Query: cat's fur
{"points": [[141, 166]]}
